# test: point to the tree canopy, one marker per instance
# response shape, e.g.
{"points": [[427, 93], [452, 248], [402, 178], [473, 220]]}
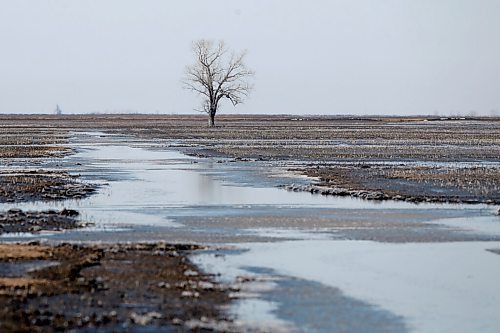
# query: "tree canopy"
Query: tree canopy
{"points": [[217, 74]]}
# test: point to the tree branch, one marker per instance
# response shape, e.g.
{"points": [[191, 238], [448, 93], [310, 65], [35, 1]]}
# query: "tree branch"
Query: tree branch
{"points": [[216, 75]]}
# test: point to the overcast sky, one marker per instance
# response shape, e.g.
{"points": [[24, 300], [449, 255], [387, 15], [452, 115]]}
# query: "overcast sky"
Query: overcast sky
{"points": [[310, 57]]}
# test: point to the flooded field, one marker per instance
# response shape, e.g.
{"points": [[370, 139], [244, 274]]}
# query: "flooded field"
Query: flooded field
{"points": [[293, 261]]}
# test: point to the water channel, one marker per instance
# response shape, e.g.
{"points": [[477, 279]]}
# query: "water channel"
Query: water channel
{"points": [[311, 263]]}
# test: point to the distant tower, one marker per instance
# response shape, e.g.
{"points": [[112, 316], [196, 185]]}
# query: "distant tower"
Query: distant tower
{"points": [[58, 110]]}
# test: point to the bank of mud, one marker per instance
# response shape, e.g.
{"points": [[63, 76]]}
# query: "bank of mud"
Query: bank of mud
{"points": [[118, 287], [441, 184], [24, 140], [19, 221], [24, 149], [41, 185], [24, 177]]}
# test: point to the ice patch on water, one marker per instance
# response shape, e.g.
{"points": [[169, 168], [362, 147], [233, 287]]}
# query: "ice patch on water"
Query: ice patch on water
{"points": [[438, 287], [299, 234], [259, 314], [485, 225], [20, 235]]}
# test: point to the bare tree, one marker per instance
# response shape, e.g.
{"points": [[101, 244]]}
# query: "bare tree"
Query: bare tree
{"points": [[217, 74]]}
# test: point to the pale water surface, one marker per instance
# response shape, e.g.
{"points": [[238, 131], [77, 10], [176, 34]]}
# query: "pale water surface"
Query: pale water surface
{"points": [[152, 193]]}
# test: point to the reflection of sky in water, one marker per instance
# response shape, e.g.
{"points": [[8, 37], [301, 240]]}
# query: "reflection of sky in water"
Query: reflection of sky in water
{"points": [[256, 312], [170, 178], [145, 187], [437, 287]]}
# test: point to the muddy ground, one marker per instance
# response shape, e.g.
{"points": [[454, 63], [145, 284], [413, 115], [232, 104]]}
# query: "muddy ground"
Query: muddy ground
{"points": [[402, 158], [472, 185], [19, 221], [23, 177], [34, 185], [25, 140], [125, 287], [119, 288]]}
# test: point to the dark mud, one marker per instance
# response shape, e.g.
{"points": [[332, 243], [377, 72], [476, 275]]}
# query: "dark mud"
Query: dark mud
{"points": [[19, 221], [120, 288], [473, 185], [23, 186], [24, 145]]}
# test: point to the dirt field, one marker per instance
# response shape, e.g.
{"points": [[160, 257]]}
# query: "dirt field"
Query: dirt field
{"points": [[76, 286], [401, 158], [90, 286]]}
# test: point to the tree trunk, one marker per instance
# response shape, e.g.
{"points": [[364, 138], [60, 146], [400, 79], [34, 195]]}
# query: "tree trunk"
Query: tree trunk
{"points": [[211, 119]]}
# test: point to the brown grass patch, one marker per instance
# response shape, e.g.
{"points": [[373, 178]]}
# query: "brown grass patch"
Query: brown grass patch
{"points": [[9, 252]]}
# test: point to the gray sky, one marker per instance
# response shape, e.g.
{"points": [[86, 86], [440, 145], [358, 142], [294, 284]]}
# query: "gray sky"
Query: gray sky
{"points": [[310, 57]]}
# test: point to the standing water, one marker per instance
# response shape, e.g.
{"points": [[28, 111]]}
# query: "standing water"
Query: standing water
{"points": [[314, 263]]}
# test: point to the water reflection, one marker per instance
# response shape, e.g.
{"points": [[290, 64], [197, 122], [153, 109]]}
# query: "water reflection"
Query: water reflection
{"points": [[142, 186]]}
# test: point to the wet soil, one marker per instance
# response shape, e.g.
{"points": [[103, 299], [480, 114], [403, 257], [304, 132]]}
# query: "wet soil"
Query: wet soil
{"points": [[22, 186], [475, 184], [401, 158], [281, 137], [19, 221], [24, 147], [153, 287], [27, 141], [120, 288]]}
